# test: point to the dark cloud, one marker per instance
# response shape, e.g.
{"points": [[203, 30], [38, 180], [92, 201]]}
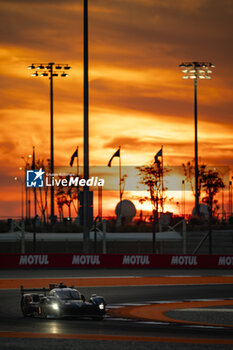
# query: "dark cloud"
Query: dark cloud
{"points": [[35, 2], [136, 143], [126, 96], [45, 27], [166, 34], [138, 32], [218, 152]]}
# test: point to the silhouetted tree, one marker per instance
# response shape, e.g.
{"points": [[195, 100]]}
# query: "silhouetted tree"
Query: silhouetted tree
{"points": [[61, 199], [65, 196], [42, 199], [152, 176], [208, 180], [211, 183], [189, 173], [141, 201]]}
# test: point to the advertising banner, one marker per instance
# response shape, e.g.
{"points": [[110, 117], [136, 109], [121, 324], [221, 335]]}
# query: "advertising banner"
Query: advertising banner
{"points": [[15, 261]]}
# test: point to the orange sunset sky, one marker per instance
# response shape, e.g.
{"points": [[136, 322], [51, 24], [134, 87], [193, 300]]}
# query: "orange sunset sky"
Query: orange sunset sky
{"points": [[138, 98]]}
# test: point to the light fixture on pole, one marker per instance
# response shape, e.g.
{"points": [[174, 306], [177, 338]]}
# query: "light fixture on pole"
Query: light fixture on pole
{"points": [[50, 70], [195, 71]]}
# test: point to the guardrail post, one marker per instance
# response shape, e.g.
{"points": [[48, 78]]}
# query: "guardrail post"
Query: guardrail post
{"points": [[95, 237], [22, 237], [12, 226], [155, 228], [95, 233], [184, 237], [104, 237], [153, 241]]}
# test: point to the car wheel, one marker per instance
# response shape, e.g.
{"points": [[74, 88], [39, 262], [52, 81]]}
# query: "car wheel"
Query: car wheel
{"points": [[44, 312], [23, 309], [57, 314]]}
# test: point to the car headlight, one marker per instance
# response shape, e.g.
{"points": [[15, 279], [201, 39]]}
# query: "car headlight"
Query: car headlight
{"points": [[55, 306], [101, 306]]}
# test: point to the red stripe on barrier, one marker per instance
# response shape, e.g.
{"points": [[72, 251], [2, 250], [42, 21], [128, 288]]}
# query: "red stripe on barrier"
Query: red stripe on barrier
{"points": [[53, 260]]}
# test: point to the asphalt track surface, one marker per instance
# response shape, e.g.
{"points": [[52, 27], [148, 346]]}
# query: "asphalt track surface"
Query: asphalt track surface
{"points": [[113, 333]]}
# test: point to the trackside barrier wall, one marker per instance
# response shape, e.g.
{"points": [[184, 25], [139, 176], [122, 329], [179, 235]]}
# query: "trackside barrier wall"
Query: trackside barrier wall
{"points": [[15, 261]]}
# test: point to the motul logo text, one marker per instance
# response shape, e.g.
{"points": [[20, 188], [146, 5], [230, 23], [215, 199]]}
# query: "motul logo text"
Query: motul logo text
{"points": [[86, 260], [184, 260], [33, 260], [136, 260], [225, 260]]}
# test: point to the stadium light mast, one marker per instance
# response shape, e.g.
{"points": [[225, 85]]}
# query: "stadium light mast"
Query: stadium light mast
{"points": [[195, 71], [50, 70], [86, 193]]}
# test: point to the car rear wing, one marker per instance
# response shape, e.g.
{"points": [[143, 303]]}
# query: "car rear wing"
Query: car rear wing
{"points": [[29, 290], [43, 290]]}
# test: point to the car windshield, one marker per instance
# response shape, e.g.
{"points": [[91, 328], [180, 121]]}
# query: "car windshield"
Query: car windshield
{"points": [[68, 294]]}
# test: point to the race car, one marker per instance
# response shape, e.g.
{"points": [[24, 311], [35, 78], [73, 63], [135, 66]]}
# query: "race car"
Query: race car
{"points": [[60, 301]]}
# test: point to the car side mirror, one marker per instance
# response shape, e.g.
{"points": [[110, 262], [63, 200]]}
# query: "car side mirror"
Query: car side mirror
{"points": [[83, 297]]}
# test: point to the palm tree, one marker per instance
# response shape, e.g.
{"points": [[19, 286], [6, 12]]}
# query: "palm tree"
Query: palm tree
{"points": [[212, 183], [42, 199], [66, 196]]}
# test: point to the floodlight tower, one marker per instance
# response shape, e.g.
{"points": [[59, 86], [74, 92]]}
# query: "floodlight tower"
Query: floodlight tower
{"points": [[86, 192], [195, 71], [50, 70]]}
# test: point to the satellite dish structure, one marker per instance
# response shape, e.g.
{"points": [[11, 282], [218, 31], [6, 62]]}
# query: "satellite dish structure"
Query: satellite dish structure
{"points": [[125, 211], [204, 211]]}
